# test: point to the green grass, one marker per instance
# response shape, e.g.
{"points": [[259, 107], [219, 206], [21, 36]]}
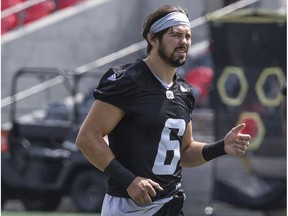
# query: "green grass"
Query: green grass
{"points": [[21, 213]]}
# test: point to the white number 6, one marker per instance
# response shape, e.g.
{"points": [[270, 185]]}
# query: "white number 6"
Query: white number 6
{"points": [[166, 145]]}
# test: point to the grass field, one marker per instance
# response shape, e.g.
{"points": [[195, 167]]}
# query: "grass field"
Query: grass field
{"points": [[19, 213]]}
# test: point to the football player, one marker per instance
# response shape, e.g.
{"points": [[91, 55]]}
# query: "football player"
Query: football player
{"points": [[145, 109]]}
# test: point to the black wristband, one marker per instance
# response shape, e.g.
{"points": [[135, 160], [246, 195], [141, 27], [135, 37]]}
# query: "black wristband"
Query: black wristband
{"points": [[213, 150], [120, 173]]}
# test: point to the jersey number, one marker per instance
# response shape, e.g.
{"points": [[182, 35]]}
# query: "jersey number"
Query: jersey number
{"points": [[168, 147]]}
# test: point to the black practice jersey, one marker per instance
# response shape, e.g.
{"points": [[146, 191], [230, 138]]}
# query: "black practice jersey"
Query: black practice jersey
{"points": [[147, 140]]}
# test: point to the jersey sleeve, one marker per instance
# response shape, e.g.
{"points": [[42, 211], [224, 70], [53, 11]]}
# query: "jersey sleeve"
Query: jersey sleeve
{"points": [[115, 88]]}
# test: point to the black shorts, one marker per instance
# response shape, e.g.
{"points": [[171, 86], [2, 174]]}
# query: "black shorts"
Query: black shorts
{"points": [[174, 207]]}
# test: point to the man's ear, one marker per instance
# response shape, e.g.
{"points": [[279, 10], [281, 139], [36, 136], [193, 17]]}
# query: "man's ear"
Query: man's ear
{"points": [[152, 40]]}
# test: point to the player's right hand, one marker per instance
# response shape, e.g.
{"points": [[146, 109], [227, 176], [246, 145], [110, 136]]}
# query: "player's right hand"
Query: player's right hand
{"points": [[141, 190]]}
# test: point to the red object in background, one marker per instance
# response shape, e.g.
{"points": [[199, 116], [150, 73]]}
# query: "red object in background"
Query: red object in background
{"points": [[38, 11], [200, 78], [9, 3], [8, 23], [4, 141], [66, 3]]}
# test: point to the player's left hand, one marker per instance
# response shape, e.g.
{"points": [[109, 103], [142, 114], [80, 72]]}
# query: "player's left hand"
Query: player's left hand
{"points": [[236, 143]]}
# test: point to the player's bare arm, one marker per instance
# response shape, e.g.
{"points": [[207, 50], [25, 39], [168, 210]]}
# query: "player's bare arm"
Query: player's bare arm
{"points": [[191, 155], [101, 119], [196, 153]]}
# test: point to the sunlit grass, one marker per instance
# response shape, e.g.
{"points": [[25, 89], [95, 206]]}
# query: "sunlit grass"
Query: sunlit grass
{"points": [[26, 213]]}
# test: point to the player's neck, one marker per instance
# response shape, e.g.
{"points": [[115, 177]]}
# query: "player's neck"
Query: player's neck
{"points": [[161, 69]]}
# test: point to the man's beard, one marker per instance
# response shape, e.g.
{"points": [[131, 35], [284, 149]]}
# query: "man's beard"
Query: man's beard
{"points": [[173, 60]]}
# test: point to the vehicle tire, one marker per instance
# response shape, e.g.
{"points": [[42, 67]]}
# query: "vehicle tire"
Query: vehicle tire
{"points": [[88, 190], [43, 202]]}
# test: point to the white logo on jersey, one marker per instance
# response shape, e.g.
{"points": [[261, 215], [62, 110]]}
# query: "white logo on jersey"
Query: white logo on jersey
{"points": [[169, 95], [183, 89], [113, 77]]}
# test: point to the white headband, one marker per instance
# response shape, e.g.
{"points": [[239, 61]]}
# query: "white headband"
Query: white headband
{"points": [[171, 19]]}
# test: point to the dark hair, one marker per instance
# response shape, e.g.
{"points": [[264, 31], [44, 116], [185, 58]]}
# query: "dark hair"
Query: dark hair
{"points": [[156, 15]]}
